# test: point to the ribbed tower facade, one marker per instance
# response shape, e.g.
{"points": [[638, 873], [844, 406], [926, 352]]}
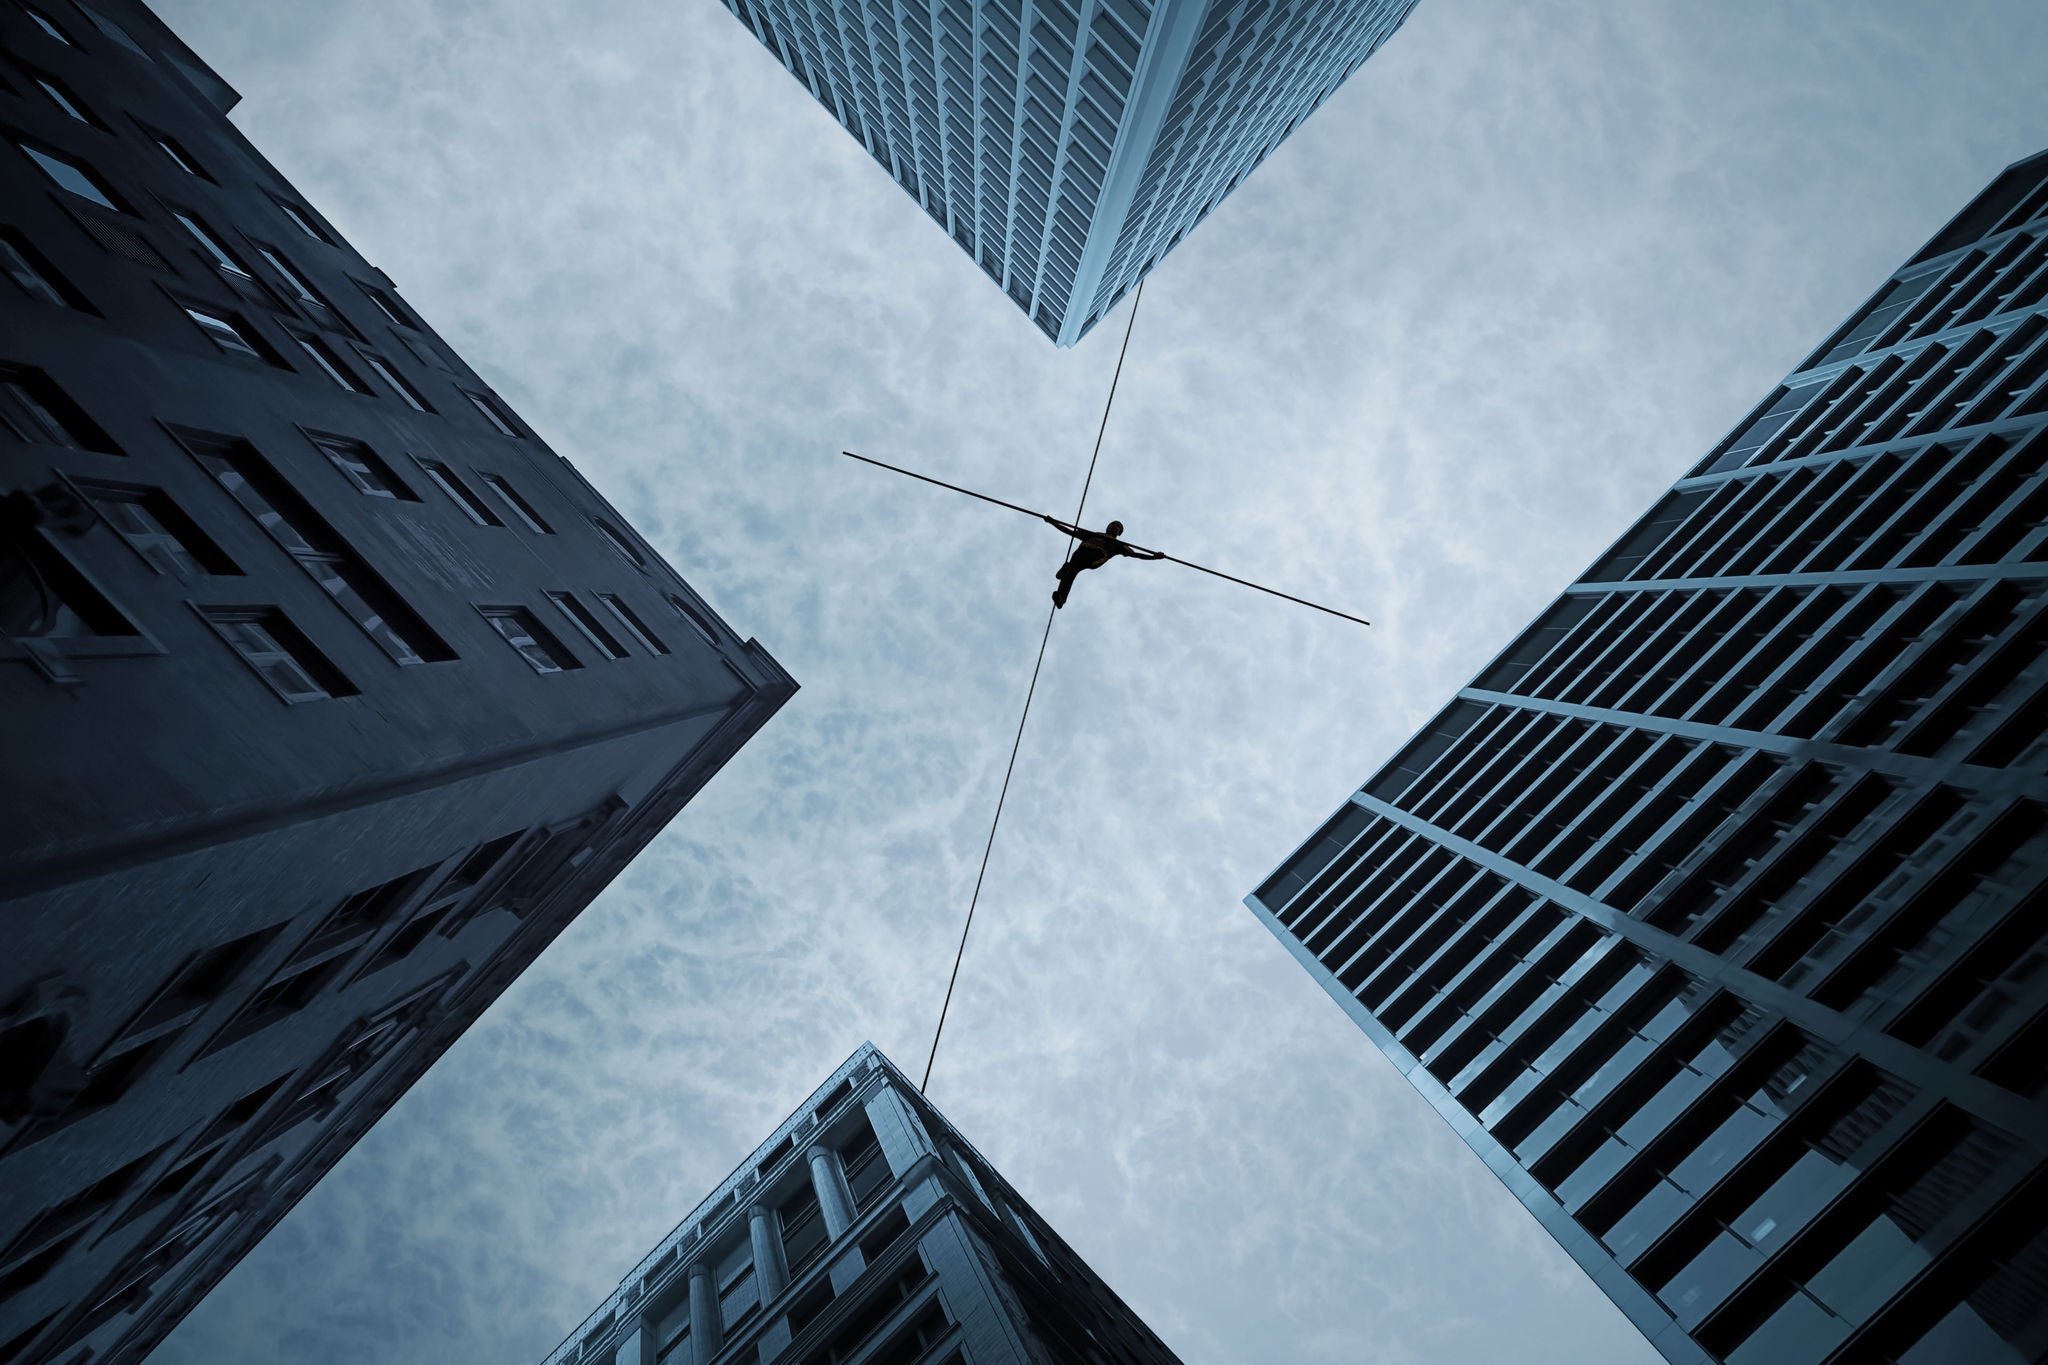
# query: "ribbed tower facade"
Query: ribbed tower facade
{"points": [[1714, 914], [329, 694], [864, 1231], [1068, 145]]}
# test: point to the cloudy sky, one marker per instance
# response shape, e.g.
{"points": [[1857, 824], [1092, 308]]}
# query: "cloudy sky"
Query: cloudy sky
{"points": [[1424, 364]]}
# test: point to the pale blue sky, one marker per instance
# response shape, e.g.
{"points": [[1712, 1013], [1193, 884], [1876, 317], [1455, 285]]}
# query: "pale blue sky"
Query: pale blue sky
{"points": [[1426, 363]]}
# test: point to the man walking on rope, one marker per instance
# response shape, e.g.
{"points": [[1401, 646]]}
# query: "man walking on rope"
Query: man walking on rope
{"points": [[1092, 550]]}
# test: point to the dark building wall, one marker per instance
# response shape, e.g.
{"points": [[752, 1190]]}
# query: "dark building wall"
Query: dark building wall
{"points": [[251, 893], [865, 1231], [1711, 915]]}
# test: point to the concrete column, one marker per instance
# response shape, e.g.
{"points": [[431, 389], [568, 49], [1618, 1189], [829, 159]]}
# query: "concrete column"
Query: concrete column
{"points": [[771, 1273], [707, 1333], [835, 1200]]}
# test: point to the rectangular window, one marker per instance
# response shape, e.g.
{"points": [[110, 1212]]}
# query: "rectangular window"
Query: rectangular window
{"points": [[498, 420], [48, 25], [231, 332], [210, 245], [301, 220], [33, 274], [587, 622], [867, 1170], [461, 493], [617, 540], [279, 653], [78, 179], [693, 618], [384, 616], [362, 467], [68, 606], [303, 291], [633, 624], [524, 632], [61, 96], [36, 410], [328, 362], [388, 305], [158, 529], [405, 391], [175, 150], [519, 506]]}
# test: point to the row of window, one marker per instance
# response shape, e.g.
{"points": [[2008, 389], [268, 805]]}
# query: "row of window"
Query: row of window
{"points": [[211, 1180], [924, 67], [1657, 1112], [231, 332], [1983, 501], [1245, 88], [1909, 668], [172, 542], [1910, 906], [1986, 376]]}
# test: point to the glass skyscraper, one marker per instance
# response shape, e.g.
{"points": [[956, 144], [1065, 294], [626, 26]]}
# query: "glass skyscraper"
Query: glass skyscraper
{"points": [[864, 1231], [1068, 145], [1714, 914]]}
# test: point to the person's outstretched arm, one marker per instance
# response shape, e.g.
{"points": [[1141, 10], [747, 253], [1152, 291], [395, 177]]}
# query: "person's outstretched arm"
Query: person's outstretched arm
{"points": [[1051, 520], [1135, 553]]}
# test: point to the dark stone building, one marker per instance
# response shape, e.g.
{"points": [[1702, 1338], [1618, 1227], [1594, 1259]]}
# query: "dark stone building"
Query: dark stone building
{"points": [[864, 1231], [1714, 914], [328, 693]]}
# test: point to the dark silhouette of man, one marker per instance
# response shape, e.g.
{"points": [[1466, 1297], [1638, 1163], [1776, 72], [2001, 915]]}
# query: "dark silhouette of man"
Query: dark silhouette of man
{"points": [[1092, 550]]}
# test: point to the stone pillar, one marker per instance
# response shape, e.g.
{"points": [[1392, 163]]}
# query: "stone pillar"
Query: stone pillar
{"points": [[707, 1334], [771, 1272], [835, 1200]]}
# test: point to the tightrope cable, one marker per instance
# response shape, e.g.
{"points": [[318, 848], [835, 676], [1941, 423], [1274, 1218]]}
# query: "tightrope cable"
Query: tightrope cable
{"points": [[1030, 691]]}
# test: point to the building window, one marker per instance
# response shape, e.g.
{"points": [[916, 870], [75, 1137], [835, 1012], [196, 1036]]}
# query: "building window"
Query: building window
{"points": [[67, 174], [519, 506], [384, 616], [405, 391], [587, 622], [62, 97], [463, 496], [695, 619], [211, 245], [524, 632], [633, 624], [33, 274], [618, 541], [48, 25], [328, 362], [231, 332], [803, 1230], [387, 305], [35, 410], [54, 600], [302, 220], [867, 1170], [285, 271], [362, 467], [492, 414], [112, 29], [280, 655], [158, 529], [175, 150]]}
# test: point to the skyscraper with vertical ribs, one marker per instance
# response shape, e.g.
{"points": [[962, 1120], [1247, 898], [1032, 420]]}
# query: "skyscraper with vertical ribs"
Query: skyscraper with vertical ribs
{"points": [[1068, 145], [1714, 914], [864, 1231], [329, 694]]}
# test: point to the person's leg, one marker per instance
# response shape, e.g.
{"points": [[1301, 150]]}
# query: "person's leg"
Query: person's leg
{"points": [[1066, 577]]}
